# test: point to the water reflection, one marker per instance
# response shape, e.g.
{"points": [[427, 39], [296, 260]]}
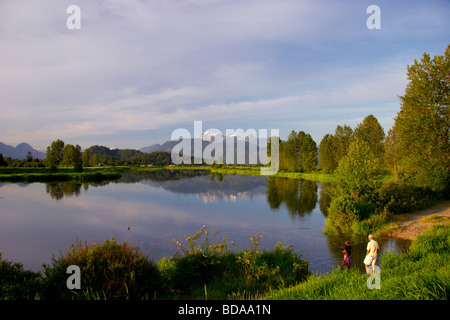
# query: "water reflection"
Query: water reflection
{"points": [[59, 190], [208, 186], [299, 196], [162, 204]]}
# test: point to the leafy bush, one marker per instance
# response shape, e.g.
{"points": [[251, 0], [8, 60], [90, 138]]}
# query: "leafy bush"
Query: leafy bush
{"points": [[421, 273], [16, 283], [109, 270], [213, 269], [362, 213]]}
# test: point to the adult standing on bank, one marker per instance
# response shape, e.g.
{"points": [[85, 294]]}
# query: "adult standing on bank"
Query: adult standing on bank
{"points": [[372, 253]]}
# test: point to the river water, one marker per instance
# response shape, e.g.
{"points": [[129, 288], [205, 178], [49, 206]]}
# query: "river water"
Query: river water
{"points": [[39, 221]]}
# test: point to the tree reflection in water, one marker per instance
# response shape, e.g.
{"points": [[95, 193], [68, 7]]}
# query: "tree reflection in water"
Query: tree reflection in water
{"points": [[299, 196]]}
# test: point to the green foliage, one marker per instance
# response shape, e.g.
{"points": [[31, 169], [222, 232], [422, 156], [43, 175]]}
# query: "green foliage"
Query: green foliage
{"points": [[55, 152], [3, 163], [371, 132], [298, 153], [16, 283], [292, 152], [422, 126], [107, 156], [327, 151], [308, 153], [224, 271], [333, 148], [110, 270], [85, 159], [391, 156], [95, 160], [343, 136], [359, 170], [422, 273]]}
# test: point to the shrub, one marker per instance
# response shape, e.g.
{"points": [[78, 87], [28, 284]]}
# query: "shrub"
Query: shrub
{"points": [[109, 270], [215, 267], [16, 283]]}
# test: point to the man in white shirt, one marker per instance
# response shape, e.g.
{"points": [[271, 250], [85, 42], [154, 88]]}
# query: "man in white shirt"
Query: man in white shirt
{"points": [[372, 252]]}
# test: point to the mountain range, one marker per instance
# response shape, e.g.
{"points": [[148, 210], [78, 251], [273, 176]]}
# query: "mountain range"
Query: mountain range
{"points": [[169, 145], [20, 151]]}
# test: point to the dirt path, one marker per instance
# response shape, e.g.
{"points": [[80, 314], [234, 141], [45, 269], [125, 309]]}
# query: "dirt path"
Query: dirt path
{"points": [[413, 227]]}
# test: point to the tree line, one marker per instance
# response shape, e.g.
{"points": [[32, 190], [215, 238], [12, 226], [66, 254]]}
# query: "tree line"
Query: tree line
{"points": [[415, 151], [298, 153], [417, 148], [61, 154]]}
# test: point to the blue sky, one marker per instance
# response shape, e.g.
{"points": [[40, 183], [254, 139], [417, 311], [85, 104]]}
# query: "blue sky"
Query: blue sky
{"points": [[137, 70]]}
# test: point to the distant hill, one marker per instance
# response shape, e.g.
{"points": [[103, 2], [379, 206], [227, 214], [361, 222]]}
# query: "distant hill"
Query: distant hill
{"points": [[168, 146], [20, 151], [151, 148]]}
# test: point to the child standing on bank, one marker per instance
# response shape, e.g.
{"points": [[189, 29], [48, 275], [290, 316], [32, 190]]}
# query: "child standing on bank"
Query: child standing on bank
{"points": [[347, 255]]}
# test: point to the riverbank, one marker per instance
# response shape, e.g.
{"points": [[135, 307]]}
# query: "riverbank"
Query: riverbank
{"points": [[88, 174], [29, 175], [410, 226], [422, 273], [256, 171]]}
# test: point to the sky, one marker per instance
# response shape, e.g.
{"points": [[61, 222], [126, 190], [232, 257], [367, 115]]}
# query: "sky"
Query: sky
{"points": [[137, 70]]}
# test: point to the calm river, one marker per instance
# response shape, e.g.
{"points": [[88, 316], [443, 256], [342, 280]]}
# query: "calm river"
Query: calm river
{"points": [[41, 220]]}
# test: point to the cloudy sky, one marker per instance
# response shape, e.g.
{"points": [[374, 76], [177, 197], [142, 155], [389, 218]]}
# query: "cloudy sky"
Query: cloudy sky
{"points": [[137, 70]]}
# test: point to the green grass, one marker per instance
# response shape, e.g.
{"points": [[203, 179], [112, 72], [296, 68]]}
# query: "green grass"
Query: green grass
{"points": [[435, 218], [420, 273], [316, 175], [113, 271], [208, 270], [29, 175]]}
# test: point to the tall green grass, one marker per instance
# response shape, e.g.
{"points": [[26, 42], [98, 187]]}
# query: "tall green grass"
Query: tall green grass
{"points": [[420, 273], [111, 270], [206, 266], [203, 269]]}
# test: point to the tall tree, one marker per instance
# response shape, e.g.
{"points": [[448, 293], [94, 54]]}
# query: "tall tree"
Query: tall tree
{"points": [[54, 152], [327, 153], [71, 155], [292, 152], [423, 126], [3, 163], [358, 170], [371, 131], [391, 156], [343, 136], [95, 160], [85, 157], [308, 153]]}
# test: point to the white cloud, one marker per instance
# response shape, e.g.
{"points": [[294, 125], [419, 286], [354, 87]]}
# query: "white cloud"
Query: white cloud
{"points": [[142, 65]]}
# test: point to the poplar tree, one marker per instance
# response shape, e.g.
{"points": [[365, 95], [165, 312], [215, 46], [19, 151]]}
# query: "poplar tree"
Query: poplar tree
{"points": [[422, 126], [370, 131], [308, 153], [54, 152], [343, 137], [327, 153]]}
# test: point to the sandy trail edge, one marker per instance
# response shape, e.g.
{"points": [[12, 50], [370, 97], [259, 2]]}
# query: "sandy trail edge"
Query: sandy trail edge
{"points": [[413, 227]]}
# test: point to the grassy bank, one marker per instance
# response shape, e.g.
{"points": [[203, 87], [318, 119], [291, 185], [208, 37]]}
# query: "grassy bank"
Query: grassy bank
{"points": [[203, 269], [29, 175], [316, 175], [207, 270], [88, 174], [420, 273]]}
